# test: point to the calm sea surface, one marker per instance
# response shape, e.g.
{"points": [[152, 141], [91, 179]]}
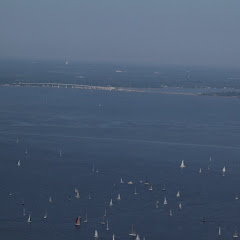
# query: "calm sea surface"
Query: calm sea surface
{"points": [[128, 135]]}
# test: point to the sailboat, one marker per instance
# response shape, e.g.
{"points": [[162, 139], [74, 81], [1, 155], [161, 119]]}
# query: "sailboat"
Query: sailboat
{"points": [[157, 202], [19, 163], [17, 140], [29, 219], [180, 206], [130, 182], [96, 234], [223, 170], [219, 231], [210, 159], [50, 199], [235, 235], [164, 188], [78, 221], [89, 196], [182, 164], [86, 219], [111, 202], [121, 180], [77, 193], [45, 215], [24, 212], [150, 188], [60, 153], [135, 192], [113, 237], [200, 170], [133, 233], [170, 213], [146, 181], [236, 197], [105, 213], [97, 170], [107, 228], [178, 194], [119, 197], [26, 152], [165, 201], [137, 238], [103, 221]]}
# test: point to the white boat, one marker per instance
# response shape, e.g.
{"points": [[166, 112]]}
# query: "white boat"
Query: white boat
{"points": [[111, 202], [89, 196], [210, 159], [107, 227], [170, 212], [26, 152], [19, 163], [137, 238], [200, 170], [97, 170], [135, 191], [29, 219], [180, 206], [130, 182], [223, 170], [86, 220], [105, 213], [60, 153], [121, 180], [146, 181], [178, 194], [78, 221], [235, 235], [119, 197], [113, 237], [157, 202], [236, 197], [133, 233], [182, 164], [219, 231], [77, 194], [45, 215], [50, 199], [24, 212], [17, 140], [96, 234], [164, 188], [103, 221], [150, 188], [165, 201]]}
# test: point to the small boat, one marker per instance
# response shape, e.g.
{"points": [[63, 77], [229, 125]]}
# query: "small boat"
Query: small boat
{"points": [[219, 231], [97, 170], [10, 194], [130, 182], [24, 212], [107, 228], [223, 170], [180, 206], [111, 202], [121, 180], [19, 163], [78, 221], [137, 238], [119, 197], [236, 197], [210, 159], [164, 188], [200, 170], [113, 237], [60, 153], [103, 221], [89, 196], [96, 234], [178, 194], [29, 219], [165, 201], [86, 219], [45, 215], [50, 199], [77, 194], [105, 213], [26, 152], [133, 233], [135, 191], [146, 182], [150, 188], [170, 213], [157, 202], [182, 164], [235, 235]]}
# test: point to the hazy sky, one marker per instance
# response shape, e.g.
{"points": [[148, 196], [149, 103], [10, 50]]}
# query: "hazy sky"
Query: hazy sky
{"points": [[198, 32]]}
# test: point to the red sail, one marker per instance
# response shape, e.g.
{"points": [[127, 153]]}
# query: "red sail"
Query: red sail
{"points": [[77, 222]]}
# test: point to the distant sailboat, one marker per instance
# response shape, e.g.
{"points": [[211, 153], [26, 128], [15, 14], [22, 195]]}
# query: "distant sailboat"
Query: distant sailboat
{"points": [[50, 199], [236, 197], [17, 140], [121, 180], [105, 213], [200, 170], [96, 234], [93, 169], [219, 231], [130, 182], [135, 191], [45, 215], [165, 201], [24, 212], [60, 153], [113, 237], [170, 213], [210, 159], [107, 228], [146, 181], [235, 235], [19, 163], [97, 170], [178, 194], [103, 220], [180, 206], [223, 170], [86, 220], [26, 152], [150, 188], [77, 194], [111, 202], [182, 164], [89, 196], [157, 202], [133, 233], [137, 238], [29, 219], [119, 197], [78, 221], [164, 188]]}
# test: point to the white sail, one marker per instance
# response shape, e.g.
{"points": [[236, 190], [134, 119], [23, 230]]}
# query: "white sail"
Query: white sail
{"points": [[93, 169], [111, 202], [224, 169], [29, 219], [96, 234], [180, 206], [60, 153], [170, 212], [121, 180], [182, 164], [135, 192], [107, 228], [19, 163], [200, 170], [235, 235], [150, 188], [178, 194], [24, 212], [113, 237], [165, 201], [119, 197], [26, 152], [219, 231], [45, 215], [105, 213], [130, 182], [157, 202], [137, 238], [133, 233], [50, 199], [86, 220], [77, 194]]}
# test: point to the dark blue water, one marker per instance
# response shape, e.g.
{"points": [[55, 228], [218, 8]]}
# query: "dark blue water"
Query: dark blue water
{"points": [[129, 135]]}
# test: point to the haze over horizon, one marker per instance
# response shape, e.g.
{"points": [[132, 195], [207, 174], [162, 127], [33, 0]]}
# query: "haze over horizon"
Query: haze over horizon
{"points": [[153, 32]]}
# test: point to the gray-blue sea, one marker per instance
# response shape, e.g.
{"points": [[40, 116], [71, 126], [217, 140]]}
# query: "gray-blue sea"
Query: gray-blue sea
{"points": [[126, 135]]}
